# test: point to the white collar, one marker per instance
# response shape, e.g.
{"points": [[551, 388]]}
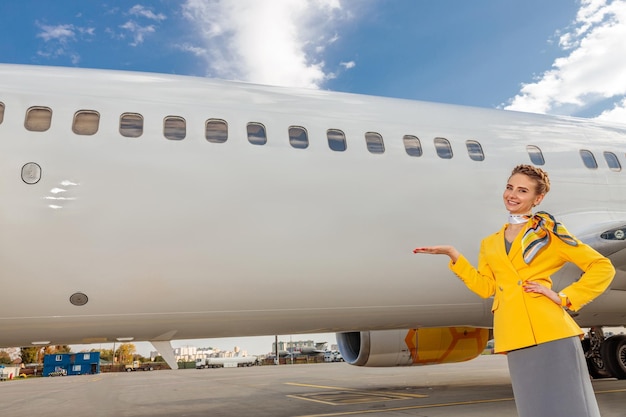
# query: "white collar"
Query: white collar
{"points": [[519, 218]]}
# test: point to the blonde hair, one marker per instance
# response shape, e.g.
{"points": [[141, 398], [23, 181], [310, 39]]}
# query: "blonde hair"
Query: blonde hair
{"points": [[539, 175]]}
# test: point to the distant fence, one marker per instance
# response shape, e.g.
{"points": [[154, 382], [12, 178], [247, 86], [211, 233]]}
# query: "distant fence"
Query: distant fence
{"points": [[122, 367], [186, 365], [298, 360]]}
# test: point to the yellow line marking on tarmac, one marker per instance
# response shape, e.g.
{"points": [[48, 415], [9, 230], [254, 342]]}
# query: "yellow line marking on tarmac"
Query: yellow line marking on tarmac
{"points": [[297, 384], [297, 397], [611, 391], [415, 407], [347, 396], [401, 394], [353, 397], [410, 407], [406, 394]]}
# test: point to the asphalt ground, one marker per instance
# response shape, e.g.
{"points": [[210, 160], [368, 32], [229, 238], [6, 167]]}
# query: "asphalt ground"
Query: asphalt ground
{"points": [[477, 388]]}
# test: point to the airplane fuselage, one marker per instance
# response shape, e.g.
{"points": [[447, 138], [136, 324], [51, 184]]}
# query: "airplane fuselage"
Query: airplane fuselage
{"points": [[189, 238]]}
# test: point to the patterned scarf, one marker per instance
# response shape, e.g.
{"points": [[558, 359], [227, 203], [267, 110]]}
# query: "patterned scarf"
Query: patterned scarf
{"points": [[537, 236]]}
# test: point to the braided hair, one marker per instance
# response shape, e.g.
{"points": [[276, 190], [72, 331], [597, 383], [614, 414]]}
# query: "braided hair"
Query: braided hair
{"points": [[539, 175]]}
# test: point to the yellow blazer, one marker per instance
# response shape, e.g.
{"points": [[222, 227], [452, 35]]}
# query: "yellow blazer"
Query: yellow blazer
{"points": [[524, 319]]}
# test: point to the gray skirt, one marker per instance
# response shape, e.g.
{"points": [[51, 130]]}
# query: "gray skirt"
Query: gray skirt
{"points": [[552, 380]]}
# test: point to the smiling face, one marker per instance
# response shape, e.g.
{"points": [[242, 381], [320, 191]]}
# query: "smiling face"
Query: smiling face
{"points": [[520, 195]]}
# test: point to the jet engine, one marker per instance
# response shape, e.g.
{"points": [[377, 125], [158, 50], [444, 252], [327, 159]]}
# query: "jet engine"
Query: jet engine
{"points": [[410, 347]]}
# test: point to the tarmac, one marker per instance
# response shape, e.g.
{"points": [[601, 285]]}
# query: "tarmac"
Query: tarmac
{"points": [[480, 388]]}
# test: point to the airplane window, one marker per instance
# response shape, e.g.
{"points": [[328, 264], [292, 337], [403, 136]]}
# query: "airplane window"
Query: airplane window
{"points": [[131, 125], [412, 145], [535, 154], [588, 159], [298, 137], [38, 119], [86, 122], [174, 128], [1, 112], [444, 150], [475, 151], [216, 130], [374, 142], [336, 140], [612, 161], [256, 134]]}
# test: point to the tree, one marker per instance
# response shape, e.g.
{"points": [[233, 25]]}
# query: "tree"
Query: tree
{"points": [[125, 352], [30, 354], [105, 354], [140, 358], [63, 349], [51, 350], [5, 358]]}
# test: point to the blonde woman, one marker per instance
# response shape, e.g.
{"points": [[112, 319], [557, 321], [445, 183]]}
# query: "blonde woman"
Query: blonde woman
{"points": [[546, 362]]}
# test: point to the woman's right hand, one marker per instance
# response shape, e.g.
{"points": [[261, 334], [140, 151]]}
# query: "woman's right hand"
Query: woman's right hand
{"points": [[440, 250]]}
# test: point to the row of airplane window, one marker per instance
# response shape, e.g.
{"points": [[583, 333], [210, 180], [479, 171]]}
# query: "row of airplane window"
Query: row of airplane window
{"points": [[86, 122]]}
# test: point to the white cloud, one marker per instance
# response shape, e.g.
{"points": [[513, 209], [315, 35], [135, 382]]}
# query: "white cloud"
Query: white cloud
{"points": [[593, 72], [139, 10], [60, 33], [137, 31], [87, 31], [265, 42], [616, 114], [195, 50], [59, 40]]}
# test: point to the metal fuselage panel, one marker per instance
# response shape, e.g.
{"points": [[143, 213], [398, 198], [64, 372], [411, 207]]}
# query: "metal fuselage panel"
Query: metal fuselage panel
{"points": [[195, 239]]}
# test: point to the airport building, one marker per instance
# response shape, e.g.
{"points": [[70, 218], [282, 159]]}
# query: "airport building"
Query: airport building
{"points": [[193, 353], [58, 364]]}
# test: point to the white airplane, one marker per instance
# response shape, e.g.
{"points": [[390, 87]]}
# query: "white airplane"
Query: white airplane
{"points": [[151, 207]]}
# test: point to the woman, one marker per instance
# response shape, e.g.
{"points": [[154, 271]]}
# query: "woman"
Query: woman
{"points": [[546, 362]]}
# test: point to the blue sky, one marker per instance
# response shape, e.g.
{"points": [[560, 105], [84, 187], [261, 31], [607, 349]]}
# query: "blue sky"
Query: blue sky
{"points": [[557, 57]]}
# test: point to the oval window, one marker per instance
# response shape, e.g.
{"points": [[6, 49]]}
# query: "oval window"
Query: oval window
{"points": [[174, 128], [336, 140], [131, 125], [475, 151], [86, 122], [38, 119], [298, 137], [535, 154], [443, 147], [588, 159], [374, 142], [256, 134], [412, 145], [612, 161], [216, 131]]}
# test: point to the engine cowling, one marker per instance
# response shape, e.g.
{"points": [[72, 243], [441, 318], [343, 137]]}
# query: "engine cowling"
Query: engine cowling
{"points": [[411, 347]]}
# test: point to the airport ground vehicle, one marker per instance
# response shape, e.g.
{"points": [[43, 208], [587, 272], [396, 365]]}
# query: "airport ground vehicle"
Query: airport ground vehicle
{"points": [[138, 366], [332, 356], [234, 362]]}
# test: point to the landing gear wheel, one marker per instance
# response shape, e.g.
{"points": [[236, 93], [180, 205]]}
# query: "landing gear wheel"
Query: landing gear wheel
{"points": [[595, 364], [614, 355]]}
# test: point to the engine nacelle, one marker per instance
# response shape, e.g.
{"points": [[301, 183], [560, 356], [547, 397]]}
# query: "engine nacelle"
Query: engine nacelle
{"points": [[412, 347]]}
